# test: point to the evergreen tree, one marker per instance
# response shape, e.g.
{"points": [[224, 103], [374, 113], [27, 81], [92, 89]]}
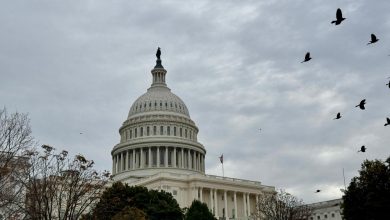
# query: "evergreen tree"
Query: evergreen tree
{"points": [[157, 205], [199, 211], [368, 195]]}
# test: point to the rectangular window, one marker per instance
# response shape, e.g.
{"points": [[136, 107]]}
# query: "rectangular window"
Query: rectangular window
{"points": [[174, 131], [131, 133], [147, 131], [154, 130], [190, 134], [141, 132], [185, 132], [181, 132], [169, 130], [135, 132], [161, 130], [127, 136]]}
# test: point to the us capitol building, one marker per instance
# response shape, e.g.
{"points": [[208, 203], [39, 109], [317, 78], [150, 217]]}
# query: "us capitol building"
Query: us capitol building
{"points": [[158, 149]]}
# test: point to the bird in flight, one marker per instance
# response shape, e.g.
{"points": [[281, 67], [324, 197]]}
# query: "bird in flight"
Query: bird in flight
{"points": [[317, 191], [373, 39], [388, 84], [362, 149], [338, 116], [81, 132], [361, 104], [307, 57], [339, 17], [387, 121]]}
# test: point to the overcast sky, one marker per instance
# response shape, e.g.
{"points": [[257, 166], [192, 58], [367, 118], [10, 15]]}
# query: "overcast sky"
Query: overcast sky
{"points": [[77, 66]]}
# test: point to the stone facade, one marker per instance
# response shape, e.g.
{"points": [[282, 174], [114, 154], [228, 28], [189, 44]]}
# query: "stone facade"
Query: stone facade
{"points": [[327, 210]]}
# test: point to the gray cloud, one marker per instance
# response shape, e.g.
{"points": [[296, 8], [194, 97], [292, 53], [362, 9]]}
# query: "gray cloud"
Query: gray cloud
{"points": [[77, 67]]}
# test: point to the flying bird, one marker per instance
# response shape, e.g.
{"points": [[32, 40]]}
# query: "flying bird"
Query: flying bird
{"points": [[81, 132], [307, 57], [361, 104], [362, 149], [317, 191], [373, 39], [388, 84], [338, 116], [387, 121], [339, 17]]}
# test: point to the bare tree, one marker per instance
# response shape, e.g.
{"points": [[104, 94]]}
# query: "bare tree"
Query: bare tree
{"points": [[281, 206], [15, 138], [58, 187]]}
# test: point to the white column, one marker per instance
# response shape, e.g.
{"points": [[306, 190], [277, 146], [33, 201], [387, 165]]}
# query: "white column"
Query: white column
{"points": [[257, 201], [189, 159], [158, 156], [216, 203], [211, 201], [195, 160], [244, 200], [195, 193], [174, 157], [226, 206], [120, 161], [166, 157], [249, 205], [235, 204], [182, 158], [150, 156], [113, 164], [127, 160], [133, 159], [201, 194], [142, 158], [204, 164]]}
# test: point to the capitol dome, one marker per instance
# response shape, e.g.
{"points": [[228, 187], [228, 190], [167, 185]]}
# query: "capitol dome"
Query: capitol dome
{"points": [[158, 99], [158, 135]]}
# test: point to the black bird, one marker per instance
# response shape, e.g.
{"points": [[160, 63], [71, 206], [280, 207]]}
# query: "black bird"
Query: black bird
{"points": [[362, 149], [307, 57], [339, 17], [388, 84], [373, 39], [361, 104], [317, 191], [387, 121], [338, 116]]}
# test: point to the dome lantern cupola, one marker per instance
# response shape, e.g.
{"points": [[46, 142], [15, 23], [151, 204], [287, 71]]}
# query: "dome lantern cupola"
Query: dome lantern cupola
{"points": [[158, 72]]}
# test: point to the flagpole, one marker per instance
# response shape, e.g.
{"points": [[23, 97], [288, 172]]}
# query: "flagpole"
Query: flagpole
{"points": [[221, 160], [223, 171]]}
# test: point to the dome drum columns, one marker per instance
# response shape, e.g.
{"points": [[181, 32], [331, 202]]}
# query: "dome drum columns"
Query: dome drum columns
{"points": [[158, 157]]}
